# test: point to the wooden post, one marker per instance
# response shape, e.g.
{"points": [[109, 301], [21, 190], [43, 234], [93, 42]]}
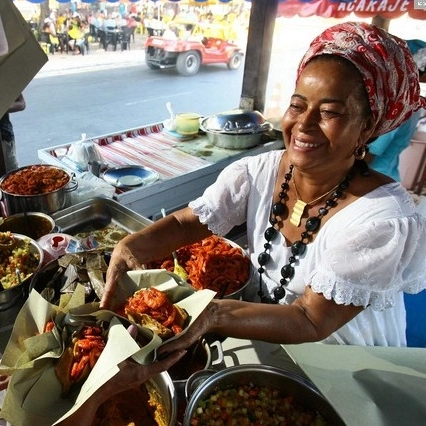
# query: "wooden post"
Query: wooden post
{"points": [[259, 45], [378, 21]]}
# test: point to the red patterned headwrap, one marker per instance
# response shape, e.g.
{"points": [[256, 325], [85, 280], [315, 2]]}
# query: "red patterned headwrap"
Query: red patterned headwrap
{"points": [[387, 67]]}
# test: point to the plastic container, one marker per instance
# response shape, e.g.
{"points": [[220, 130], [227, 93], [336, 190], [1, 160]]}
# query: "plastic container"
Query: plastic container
{"points": [[187, 123], [54, 245]]}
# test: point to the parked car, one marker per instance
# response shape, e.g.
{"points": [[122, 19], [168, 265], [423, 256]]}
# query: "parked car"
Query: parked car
{"points": [[188, 55]]}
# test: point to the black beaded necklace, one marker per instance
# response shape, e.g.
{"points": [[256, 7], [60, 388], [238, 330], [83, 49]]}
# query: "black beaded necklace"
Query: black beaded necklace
{"points": [[298, 248]]}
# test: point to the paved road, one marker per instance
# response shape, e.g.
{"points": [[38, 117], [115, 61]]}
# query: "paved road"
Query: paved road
{"points": [[97, 59], [106, 92]]}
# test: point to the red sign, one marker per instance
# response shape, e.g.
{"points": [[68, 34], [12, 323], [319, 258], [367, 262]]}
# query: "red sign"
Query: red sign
{"points": [[362, 8]]}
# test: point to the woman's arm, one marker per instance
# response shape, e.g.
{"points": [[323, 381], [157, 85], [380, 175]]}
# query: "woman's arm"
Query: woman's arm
{"points": [[308, 319]]}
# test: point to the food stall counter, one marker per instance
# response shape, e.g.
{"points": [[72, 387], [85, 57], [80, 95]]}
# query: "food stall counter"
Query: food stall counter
{"points": [[368, 385], [185, 166]]}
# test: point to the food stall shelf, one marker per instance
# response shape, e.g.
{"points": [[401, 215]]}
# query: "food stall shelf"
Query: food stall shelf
{"points": [[185, 166]]}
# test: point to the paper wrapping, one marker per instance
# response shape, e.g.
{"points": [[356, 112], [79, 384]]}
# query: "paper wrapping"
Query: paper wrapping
{"points": [[367, 385], [21, 56], [34, 392]]}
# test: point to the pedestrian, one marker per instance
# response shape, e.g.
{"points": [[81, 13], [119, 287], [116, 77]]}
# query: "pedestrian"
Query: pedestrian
{"points": [[10, 161]]}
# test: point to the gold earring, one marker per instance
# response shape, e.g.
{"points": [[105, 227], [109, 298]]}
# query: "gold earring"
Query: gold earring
{"points": [[360, 152]]}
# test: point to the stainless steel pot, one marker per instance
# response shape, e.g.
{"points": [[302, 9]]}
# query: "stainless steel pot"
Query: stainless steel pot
{"points": [[131, 403], [49, 202], [237, 121], [236, 129], [199, 357], [287, 382], [233, 141]]}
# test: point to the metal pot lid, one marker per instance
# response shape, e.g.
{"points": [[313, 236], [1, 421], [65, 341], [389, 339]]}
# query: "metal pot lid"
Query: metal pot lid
{"points": [[238, 121]]}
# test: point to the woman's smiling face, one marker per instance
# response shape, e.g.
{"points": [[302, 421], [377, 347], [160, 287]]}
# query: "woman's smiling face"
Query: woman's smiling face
{"points": [[326, 120]]}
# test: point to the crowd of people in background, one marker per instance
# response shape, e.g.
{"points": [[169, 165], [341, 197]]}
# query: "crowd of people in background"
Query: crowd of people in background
{"points": [[71, 30]]}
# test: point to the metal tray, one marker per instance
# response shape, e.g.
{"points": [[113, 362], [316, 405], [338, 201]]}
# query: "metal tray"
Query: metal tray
{"points": [[97, 213]]}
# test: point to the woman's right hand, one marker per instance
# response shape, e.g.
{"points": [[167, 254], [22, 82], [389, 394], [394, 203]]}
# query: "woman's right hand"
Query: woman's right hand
{"points": [[202, 325], [153, 242], [122, 260]]}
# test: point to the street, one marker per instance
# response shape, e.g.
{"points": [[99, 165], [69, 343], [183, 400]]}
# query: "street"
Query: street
{"points": [[106, 92], [101, 101]]}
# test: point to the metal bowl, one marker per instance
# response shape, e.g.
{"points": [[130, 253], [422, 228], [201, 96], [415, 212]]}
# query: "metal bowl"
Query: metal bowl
{"points": [[11, 299], [162, 385], [32, 224], [236, 122], [303, 391], [224, 293], [129, 404]]}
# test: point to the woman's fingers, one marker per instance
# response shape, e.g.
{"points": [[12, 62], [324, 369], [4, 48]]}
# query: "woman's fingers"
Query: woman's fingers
{"points": [[112, 277], [122, 260]]}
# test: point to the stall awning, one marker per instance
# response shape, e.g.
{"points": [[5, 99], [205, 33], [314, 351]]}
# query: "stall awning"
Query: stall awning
{"points": [[363, 8], [329, 8]]}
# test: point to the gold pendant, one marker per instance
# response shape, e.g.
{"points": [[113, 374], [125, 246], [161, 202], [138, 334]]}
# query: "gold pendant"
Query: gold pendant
{"points": [[298, 210]]}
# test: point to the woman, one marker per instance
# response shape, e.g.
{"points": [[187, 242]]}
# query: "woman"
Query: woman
{"points": [[335, 244]]}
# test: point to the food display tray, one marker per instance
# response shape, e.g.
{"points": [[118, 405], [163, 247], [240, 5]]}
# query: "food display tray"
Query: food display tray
{"points": [[185, 167], [97, 213]]}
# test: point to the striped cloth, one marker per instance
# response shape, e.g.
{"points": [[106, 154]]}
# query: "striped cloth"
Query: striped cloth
{"points": [[148, 147]]}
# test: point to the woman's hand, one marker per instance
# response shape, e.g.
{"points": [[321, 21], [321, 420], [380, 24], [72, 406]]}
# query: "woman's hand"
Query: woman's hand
{"points": [[201, 326], [122, 260], [132, 374], [154, 242]]}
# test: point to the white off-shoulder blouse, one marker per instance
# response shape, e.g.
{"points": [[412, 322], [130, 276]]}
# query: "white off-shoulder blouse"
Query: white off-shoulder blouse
{"points": [[367, 254]]}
